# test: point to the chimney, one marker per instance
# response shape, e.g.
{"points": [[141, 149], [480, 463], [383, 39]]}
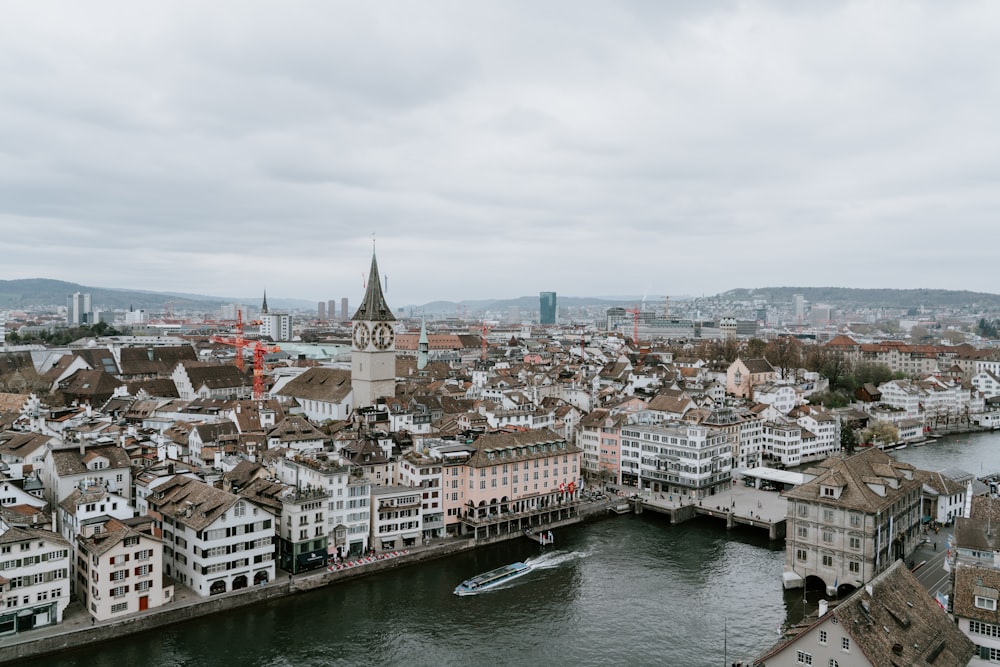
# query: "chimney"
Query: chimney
{"points": [[823, 607]]}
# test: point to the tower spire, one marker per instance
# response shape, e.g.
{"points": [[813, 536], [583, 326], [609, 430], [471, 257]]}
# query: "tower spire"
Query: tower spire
{"points": [[263, 306], [373, 307]]}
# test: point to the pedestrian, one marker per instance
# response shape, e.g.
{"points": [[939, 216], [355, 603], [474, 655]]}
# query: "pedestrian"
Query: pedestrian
{"points": [[935, 546]]}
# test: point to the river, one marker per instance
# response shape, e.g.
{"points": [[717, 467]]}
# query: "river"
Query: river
{"points": [[628, 590]]}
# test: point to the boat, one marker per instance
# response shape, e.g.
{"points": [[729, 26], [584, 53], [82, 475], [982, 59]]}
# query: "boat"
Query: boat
{"points": [[491, 579]]}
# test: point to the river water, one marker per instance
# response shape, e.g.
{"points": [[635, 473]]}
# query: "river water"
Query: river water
{"points": [[628, 590]]}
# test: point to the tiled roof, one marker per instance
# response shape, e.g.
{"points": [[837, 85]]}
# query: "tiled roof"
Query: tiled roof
{"points": [[69, 461], [517, 447], [331, 385], [191, 502], [971, 580], [855, 473]]}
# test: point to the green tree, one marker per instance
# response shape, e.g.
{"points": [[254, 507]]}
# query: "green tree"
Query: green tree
{"points": [[848, 439]]}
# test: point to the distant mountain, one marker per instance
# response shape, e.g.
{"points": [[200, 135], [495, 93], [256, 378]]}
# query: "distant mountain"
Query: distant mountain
{"points": [[42, 292], [872, 298]]}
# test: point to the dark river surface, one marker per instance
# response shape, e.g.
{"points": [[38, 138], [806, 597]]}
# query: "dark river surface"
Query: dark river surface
{"points": [[629, 590]]}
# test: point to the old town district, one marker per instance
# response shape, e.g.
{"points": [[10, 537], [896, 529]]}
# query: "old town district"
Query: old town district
{"points": [[161, 470]]}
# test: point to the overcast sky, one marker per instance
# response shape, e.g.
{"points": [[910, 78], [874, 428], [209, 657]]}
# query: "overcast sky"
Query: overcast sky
{"points": [[499, 149]]}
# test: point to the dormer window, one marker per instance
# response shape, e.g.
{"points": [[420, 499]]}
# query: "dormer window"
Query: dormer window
{"points": [[989, 604]]}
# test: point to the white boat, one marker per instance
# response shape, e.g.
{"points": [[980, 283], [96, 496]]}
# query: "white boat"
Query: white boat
{"points": [[491, 579]]}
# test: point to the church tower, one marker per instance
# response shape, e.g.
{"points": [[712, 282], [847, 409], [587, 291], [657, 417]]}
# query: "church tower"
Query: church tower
{"points": [[373, 346]]}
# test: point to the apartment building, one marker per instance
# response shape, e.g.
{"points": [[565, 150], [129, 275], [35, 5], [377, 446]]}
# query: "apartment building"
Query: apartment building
{"points": [[214, 541], [693, 461], [34, 579], [120, 571]]}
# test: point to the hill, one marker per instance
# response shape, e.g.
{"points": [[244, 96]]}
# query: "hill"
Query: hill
{"points": [[847, 297]]}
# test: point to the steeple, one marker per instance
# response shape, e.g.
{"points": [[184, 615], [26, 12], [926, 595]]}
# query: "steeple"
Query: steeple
{"points": [[263, 306], [422, 347], [373, 307]]}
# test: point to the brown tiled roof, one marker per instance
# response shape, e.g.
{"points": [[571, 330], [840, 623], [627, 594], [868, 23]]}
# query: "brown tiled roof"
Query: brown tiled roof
{"points": [[897, 624], [69, 461], [90, 384], [516, 445], [855, 473], [13, 535], [21, 444], [757, 366], [970, 581], [924, 633], [295, 428], [191, 502], [162, 387], [331, 385], [215, 376], [155, 360]]}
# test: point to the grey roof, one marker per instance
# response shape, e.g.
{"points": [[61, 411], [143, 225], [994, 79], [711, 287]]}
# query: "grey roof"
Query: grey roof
{"points": [[373, 307]]}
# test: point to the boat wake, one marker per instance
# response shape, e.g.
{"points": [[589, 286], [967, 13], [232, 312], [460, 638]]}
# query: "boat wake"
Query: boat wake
{"points": [[554, 559]]}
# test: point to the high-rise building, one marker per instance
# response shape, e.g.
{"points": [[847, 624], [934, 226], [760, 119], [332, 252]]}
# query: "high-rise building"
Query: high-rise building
{"points": [[276, 326], [547, 307], [331, 309], [321, 310], [343, 309], [800, 308], [78, 309]]}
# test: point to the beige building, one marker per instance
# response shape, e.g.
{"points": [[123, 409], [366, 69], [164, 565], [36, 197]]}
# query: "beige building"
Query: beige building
{"points": [[120, 571], [851, 522]]}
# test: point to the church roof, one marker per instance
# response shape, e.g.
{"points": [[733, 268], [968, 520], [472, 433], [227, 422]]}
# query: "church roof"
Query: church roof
{"points": [[373, 307]]}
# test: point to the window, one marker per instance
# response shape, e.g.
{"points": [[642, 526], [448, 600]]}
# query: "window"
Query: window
{"points": [[803, 532], [803, 658], [985, 629], [822, 636], [986, 603], [800, 554], [119, 591], [828, 561], [845, 643], [827, 515], [855, 542], [827, 536], [854, 566], [833, 663], [119, 608], [855, 519], [803, 509]]}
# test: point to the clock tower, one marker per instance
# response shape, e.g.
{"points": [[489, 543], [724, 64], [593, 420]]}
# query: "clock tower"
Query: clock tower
{"points": [[373, 346]]}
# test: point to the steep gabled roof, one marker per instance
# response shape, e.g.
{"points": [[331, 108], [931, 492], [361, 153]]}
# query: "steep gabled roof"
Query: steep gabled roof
{"points": [[373, 307], [331, 385]]}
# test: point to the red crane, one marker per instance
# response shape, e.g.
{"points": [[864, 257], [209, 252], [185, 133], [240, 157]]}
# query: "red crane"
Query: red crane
{"points": [[237, 341], [259, 350], [634, 310]]}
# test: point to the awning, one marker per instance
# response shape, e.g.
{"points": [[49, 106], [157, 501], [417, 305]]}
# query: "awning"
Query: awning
{"points": [[411, 536]]}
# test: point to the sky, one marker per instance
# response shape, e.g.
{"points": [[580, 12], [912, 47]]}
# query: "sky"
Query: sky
{"points": [[499, 149]]}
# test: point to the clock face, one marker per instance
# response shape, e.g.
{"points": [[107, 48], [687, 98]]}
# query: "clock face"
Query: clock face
{"points": [[382, 335], [361, 335]]}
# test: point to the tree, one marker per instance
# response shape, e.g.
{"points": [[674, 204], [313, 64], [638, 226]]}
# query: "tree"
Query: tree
{"points": [[848, 439], [754, 348], [881, 433], [785, 353]]}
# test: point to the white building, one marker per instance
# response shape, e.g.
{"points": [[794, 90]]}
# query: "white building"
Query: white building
{"points": [[34, 579], [348, 516], [66, 467], [276, 326], [396, 517], [424, 472], [214, 541], [693, 461]]}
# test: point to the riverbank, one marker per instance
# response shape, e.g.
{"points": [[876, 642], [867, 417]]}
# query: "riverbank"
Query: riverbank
{"points": [[78, 629]]}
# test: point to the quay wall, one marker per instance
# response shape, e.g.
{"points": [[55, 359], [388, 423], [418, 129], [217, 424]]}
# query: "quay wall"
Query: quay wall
{"points": [[58, 638]]}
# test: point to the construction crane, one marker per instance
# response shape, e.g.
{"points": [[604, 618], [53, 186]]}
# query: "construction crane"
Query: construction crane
{"points": [[237, 341], [259, 350], [486, 331], [634, 310]]}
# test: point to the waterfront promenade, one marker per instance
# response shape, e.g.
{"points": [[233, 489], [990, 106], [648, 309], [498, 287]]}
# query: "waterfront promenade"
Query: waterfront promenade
{"points": [[737, 506]]}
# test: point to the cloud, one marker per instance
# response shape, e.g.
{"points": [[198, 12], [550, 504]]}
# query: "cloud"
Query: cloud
{"points": [[498, 149]]}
